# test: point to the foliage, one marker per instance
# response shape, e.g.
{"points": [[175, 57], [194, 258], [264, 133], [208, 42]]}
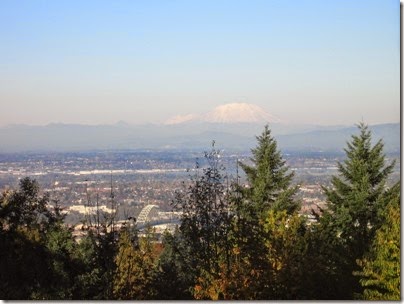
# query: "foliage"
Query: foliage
{"points": [[96, 252], [235, 242], [268, 177], [233, 282], [23, 264], [90, 281], [268, 189], [380, 274], [355, 200], [206, 218], [136, 264], [24, 207], [60, 244], [279, 279], [285, 251], [175, 276], [357, 195], [35, 246]]}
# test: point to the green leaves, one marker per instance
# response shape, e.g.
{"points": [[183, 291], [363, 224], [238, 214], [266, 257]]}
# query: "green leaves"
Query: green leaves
{"points": [[24, 207], [133, 275], [380, 274], [206, 217]]}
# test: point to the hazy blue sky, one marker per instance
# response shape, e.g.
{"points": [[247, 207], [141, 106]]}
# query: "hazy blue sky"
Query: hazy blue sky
{"points": [[331, 62]]}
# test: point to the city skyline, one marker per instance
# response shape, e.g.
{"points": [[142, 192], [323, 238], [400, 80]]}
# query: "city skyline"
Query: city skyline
{"points": [[100, 62]]}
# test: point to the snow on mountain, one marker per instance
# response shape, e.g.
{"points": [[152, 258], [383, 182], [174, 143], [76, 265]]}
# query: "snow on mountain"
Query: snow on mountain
{"points": [[229, 113], [239, 112]]}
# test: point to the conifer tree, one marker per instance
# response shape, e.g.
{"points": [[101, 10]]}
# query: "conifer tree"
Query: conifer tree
{"points": [[88, 284], [354, 204], [245, 273], [357, 196], [268, 177], [61, 245]]}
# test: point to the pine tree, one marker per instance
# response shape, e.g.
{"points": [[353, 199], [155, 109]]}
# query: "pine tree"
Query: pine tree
{"points": [[357, 195], [354, 204], [269, 188], [268, 177]]}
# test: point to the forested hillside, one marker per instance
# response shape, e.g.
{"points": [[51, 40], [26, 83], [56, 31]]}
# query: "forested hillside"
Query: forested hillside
{"points": [[235, 241]]}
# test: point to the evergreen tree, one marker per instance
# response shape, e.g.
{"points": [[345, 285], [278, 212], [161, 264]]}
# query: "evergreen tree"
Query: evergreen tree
{"points": [[269, 188], [89, 283], [61, 246], [268, 177], [357, 194], [354, 203]]}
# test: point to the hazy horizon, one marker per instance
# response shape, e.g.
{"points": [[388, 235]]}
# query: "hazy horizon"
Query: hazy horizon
{"points": [[100, 62], [166, 122]]}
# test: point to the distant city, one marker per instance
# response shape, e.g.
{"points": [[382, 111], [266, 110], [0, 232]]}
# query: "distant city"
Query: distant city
{"points": [[141, 178]]}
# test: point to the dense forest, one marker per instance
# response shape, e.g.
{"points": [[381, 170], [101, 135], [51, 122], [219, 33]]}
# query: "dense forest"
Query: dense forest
{"points": [[235, 241]]}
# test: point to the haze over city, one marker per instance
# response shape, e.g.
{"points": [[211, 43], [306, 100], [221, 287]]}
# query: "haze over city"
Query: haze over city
{"points": [[100, 62]]}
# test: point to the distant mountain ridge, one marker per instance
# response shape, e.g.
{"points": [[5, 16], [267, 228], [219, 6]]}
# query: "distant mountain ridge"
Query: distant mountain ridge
{"points": [[335, 140], [187, 135]]}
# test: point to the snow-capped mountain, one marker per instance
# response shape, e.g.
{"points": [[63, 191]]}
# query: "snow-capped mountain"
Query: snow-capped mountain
{"points": [[229, 113], [239, 112]]}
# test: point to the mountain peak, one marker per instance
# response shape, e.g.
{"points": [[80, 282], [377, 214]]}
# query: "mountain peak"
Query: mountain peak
{"points": [[229, 113], [239, 112]]}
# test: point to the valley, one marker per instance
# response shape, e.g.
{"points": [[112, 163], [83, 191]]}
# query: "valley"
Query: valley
{"points": [[140, 178]]}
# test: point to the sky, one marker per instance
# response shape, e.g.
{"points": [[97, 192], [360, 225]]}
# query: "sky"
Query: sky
{"points": [[142, 61]]}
